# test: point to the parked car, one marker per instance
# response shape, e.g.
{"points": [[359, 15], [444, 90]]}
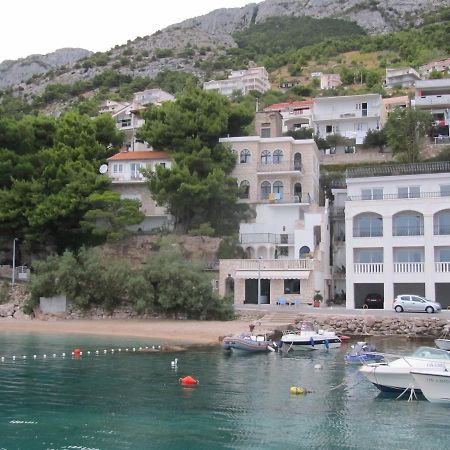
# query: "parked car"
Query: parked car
{"points": [[374, 300], [415, 303]]}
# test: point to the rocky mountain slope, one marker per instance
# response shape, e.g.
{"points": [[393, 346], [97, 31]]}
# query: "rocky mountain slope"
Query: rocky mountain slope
{"points": [[14, 72]]}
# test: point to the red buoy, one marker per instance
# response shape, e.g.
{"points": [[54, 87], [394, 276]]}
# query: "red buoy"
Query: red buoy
{"points": [[77, 351], [188, 380]]}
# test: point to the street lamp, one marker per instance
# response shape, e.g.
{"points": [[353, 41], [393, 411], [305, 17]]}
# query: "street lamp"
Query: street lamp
{"points": [[14, 261]]}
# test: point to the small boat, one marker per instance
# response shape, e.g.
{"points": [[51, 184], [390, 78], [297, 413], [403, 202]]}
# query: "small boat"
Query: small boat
{"points": [[443, 344], [434, 383], [396, 376], [363, 352], [248, 342], [307, 338]]}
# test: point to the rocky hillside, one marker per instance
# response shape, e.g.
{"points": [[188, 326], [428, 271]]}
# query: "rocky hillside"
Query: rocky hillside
{"points": [[15, 72], [375, 16]]}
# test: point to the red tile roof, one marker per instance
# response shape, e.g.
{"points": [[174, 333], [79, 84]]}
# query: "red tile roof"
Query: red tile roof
{"points": [[125, 156], [288, 105]]}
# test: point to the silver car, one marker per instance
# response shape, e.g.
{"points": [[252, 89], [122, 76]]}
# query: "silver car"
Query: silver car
{"points": [[415, 303]]}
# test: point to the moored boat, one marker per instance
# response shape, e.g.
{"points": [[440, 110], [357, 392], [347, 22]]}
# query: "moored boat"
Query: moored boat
{"points": [[443, 344], [363, 352], [307, 338], [247, 342], [434, 383]]}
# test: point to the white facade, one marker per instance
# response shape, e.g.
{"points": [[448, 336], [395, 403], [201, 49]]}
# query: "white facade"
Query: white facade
{"points": [[442, 65], [152, 96], [402, 77], [253, 79], [330, 80], [350, 116], [295, 114], [288, 238], [397, 232]]}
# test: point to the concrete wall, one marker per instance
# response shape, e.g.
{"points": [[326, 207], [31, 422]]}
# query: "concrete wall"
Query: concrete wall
{"points": [[53, 305]]}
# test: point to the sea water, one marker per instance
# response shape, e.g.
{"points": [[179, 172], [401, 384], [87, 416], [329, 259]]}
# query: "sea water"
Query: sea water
{"points": [[133, 400]]}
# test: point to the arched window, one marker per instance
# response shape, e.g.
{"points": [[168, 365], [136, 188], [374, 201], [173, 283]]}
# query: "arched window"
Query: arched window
{"points": [[298, 192], [442, 222], [265, 190], [245, 156], [298, 161], [277, 156], [407, 223], [278, 189], [266, 157], [368, 225], [244, 189], [305, 250]]}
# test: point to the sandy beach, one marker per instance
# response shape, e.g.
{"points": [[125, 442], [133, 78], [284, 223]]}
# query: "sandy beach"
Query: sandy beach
{"points": [[172, 331]]}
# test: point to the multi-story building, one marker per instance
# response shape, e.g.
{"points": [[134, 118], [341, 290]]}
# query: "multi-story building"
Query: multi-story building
{"points": [[242, 81], [403, 77], [350, 116], [294, 114], [442, 65], [287, 242], [397, 232], [434, 96], [125, 171]]}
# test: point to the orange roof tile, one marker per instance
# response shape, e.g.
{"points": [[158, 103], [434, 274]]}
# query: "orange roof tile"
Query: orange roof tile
{"points": [[124, 156]]}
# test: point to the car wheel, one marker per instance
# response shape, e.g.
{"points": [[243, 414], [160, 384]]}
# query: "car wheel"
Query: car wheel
{"points": [[398, 309], [429, 309]]}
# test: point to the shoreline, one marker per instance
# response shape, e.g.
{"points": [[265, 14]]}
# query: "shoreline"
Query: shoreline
{"points": [[173, 331]]}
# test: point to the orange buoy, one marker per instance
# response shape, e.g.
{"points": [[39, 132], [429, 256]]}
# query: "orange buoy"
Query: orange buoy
{"points": [[77, 351], [188, 380]]}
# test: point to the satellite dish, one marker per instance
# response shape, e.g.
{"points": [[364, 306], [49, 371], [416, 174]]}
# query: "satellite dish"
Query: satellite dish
{"points": [[103, 168]]}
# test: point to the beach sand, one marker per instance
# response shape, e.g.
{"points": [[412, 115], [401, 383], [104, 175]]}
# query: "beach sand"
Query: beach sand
{"points": [[171, 331]]}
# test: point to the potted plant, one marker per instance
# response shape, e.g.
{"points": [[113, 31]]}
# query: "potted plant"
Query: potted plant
{"points": [[317, 299]]}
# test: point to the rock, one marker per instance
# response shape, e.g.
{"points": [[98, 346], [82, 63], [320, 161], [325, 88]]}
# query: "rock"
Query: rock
{"points": [[7, 310], [20, 315]]}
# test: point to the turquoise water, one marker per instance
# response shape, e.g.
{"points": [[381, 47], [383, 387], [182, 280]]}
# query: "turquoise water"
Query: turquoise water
{"points": [[125, 400]]}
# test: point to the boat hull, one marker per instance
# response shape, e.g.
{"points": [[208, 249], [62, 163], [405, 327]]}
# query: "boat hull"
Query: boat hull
{"points": [[295, 343], [245, 345], [435, 385], [443, 344], [363, 357]]}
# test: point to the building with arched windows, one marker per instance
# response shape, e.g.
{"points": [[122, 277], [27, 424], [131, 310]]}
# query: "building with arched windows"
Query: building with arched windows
{"points": [[287, 242], [397, 232]]}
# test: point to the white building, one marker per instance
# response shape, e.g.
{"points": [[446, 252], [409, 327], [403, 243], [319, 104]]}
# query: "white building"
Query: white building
{"points": [[295, 114], [287, 242], [152, 97], [125, 172], [442, 65], [350, 116], [397, 232], [330, 80], [403, 77], [243, 81]]}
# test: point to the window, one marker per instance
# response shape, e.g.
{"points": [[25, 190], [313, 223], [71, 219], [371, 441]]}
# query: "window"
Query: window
{"points": [[368, 225], [364, 109], [117, 168], [278, 189], [136, 171], [277, 156], [265, 130], [408, 224], [245, 156], [292, 286], [409, 192], [265, 190], [444, 254], [372, 194], [125, 123], [408, 255], [329, 128], [266, 157], [369, 255], [283, 251], [245, 189], [298, 161], [445, 190], [304, 251], [442, 223]]}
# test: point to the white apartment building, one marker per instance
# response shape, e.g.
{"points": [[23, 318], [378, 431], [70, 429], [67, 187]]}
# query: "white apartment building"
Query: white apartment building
{"points": [[125, 171], [287, 242], [243, 81], [330, 80], [350, 116], [434, 96], [397, 232], [295, 114], [403, 77]]}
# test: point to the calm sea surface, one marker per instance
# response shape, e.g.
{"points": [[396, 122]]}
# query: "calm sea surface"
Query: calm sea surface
{"points": [[125, 400]]}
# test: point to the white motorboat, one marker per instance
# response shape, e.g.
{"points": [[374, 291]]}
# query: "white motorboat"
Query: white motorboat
{"points": [[395, 376], [443, 344], [307, 338], [434, 383]]}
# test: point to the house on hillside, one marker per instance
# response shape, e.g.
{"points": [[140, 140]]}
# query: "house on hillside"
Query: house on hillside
{"points": [[125, 171], [404, 77], [350, 116], [442, 65], [242, 81], [392, 103], [396, 233], [287, 243], [295, 114], [330, 81]]}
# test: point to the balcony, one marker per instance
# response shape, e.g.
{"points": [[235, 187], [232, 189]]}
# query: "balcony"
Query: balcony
{"points": [[410, 267], [368, 232], [266, 238], [284, 166], [398, 196], [117, 179], [442, 267], [442, 229], [274, 264], [408, 231], [432, 100], [368, 268], [283, 199]]}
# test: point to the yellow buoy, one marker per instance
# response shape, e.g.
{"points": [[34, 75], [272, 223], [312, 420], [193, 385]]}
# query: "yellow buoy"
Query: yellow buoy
{"points": [[297, 390]]}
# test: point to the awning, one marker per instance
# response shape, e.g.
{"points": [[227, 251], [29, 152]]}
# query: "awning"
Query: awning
{"points": [[274, 274]]}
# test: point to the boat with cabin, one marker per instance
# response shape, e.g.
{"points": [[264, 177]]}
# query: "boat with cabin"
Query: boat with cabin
{"points": [[434, 383]]}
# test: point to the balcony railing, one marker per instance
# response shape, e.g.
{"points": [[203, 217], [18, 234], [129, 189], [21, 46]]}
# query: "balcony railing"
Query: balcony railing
{"points": [[283, 166], [368, 268], [368, 232], [442, 229], [408, 231], [398, 196], [275, 264], [285, 198], [412, 267], [442, 267], [266, 238], [432, 100]]}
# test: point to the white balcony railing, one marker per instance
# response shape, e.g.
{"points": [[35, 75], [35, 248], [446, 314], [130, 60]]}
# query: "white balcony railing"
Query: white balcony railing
{"points": [[283, 166], [411, 267], [266, 238], [275, 264], [442, 267], [368, 268]]}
